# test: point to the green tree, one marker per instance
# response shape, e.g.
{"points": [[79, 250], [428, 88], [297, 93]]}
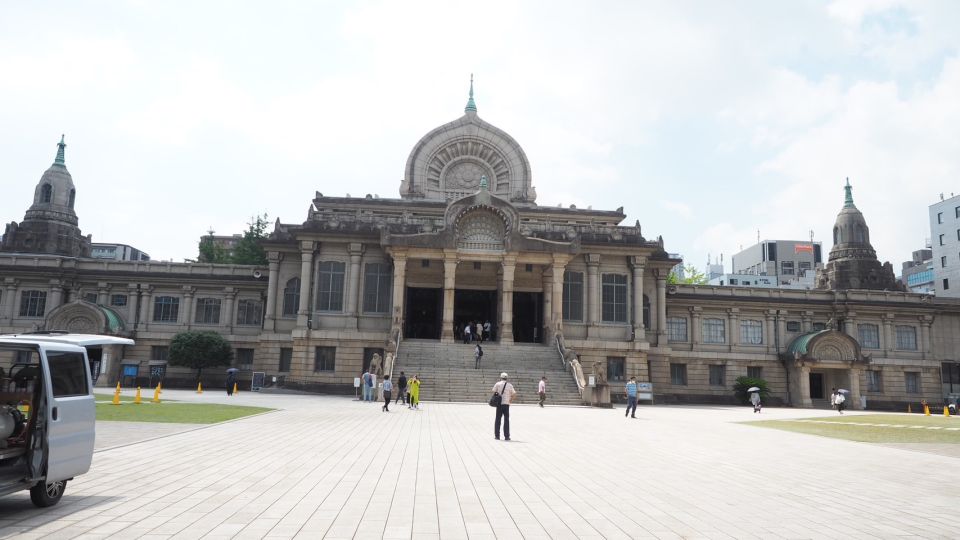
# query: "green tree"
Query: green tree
{"points": [[742, 384], [249, 250], [210, 252], [199, 350], [692, 276]]}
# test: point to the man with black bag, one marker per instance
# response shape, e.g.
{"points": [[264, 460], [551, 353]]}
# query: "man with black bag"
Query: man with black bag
{"points": [[503, 393]]}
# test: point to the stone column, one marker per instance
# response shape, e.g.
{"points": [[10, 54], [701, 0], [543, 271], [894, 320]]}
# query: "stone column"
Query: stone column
{"points": [[556, 317], [696, 328], [733, 328], [770, 331], [56, 296], [661, 308], [888, 340], [399, 288], [103, 293], [9, 298], [146, 304], [639, 265], [509, 265], [270, 315], [804, 383], [306, 278], [107, 363], [924, 345], [230, 295], [806, 318], [449, 290], [850, 325], [547, 284], [854, 375], [188, 305], [353, 283], [132, 296], [593, 291]]}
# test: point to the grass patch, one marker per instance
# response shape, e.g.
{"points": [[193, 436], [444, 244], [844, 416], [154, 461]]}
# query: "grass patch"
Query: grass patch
{"points": [[183, 413], [886, 428], [144, 396]]}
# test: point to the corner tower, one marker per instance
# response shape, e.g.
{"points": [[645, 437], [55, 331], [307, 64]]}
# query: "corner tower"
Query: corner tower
{"points": [[50, 225], [853, 262], [449, 161]]}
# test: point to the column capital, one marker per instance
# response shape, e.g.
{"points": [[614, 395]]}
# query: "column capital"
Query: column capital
{"points": [[230, 292], [274, 257], [307, 246], [733, 312], [592, 259], [926, 320], [355, 249], [188, 290], [638, 262]]}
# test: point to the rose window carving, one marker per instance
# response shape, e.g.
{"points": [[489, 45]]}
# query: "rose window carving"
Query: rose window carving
{"points": [[481, 231], [464, 175], [461, 163]]}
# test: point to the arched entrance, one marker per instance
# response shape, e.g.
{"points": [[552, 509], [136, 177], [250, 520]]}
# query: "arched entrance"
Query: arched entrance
{"points": [[820, 361]]}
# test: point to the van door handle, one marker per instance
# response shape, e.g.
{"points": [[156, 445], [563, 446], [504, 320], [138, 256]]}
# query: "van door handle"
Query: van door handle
{"points": [[53, 413]]}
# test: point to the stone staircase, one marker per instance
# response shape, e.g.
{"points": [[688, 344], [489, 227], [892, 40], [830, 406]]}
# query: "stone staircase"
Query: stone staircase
{"points": [[447, 373]]}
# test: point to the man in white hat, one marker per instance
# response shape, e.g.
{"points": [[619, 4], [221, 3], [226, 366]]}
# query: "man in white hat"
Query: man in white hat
{"points": [[506, 391]]}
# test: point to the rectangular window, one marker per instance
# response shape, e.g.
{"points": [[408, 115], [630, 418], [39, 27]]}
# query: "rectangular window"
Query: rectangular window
{"points": [[325, 359], [912, 381], [614, 298], [33, 303], [286, 358], [249, 312], [755, 372], [786, 268], [946, 283], [733, 281], [751, 332], [573, 296], [330, 286], [793, 326], [939, 217], [869, 336], [377, 279], [616, 368], [208, 311], [956, 212], [943, 261], [166, 309], [718, 375], [941, 239], [159, 352], [874, 381], [118, 300], [245, 358], [906, 338], [678, 374], [677, 329], [424, 263], [818, 326], [90, 297], [803, 266], [714, 331], [68, 374]]}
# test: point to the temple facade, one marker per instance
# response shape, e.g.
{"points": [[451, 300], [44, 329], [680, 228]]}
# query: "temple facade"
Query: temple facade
{"points": [[361, 279]]}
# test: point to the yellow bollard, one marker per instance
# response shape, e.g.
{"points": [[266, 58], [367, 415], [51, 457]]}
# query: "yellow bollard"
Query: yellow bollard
{"points": [[156, 395], [909, 410], [235, 389], [946, 411], [926, 410], [136, 399], [199, 388], [116, 395]]}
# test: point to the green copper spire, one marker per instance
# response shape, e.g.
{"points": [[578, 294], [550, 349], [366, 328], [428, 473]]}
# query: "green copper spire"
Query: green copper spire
{"points": [[848, 199], [483, 183], [471, 106], [61, 146]]}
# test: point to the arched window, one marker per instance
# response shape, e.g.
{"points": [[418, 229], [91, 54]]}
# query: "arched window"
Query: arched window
{"points": [[859, 234], [646, 312], [291, 297], [836, 235], [46, 193], [73, 197]]}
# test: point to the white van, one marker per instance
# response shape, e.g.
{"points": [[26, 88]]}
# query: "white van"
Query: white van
{"points": [[47, 411]]}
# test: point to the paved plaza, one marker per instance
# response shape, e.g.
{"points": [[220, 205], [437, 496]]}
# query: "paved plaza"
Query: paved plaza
{"points": [[325, 466]]}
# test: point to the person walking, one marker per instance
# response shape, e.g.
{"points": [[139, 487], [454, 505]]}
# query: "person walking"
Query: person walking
{"points": [[630, 390], [402, 388], [542, 390], [372, 380], [365, 384], [414, 385], [486, 331], [231, 381], [477, 355], [506, 391], [840, 401], [833, 398], [466, 333], [479, 332], [387, 393], [755, 400]]}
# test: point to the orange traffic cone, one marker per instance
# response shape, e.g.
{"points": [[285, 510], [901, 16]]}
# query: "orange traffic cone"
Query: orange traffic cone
{"points": [[137, 398], [199, 388]]}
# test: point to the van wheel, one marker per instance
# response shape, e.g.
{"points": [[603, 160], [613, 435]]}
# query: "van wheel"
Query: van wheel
{"points": [[44, 494]]}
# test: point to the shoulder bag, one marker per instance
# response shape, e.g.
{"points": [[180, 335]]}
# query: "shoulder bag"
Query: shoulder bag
{"points": [[497, 397]]}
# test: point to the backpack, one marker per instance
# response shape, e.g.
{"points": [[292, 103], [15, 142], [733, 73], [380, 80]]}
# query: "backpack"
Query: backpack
{"points": [[479, 352], [368, 378]]}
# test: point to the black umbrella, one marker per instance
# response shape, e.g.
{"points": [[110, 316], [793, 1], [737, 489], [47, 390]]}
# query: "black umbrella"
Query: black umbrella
{"points": [[232, 371]]}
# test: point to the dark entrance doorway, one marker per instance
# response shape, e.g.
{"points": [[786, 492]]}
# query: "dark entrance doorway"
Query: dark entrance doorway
{"points": [[528, 317], [424, 313], [474, 306], [816, 386]]}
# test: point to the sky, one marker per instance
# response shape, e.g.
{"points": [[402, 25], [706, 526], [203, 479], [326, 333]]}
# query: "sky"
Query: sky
{"points": [[712, 123]]}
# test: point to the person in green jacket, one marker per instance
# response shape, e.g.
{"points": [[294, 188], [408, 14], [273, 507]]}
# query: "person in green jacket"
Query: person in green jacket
{"points": [[414, 385]]}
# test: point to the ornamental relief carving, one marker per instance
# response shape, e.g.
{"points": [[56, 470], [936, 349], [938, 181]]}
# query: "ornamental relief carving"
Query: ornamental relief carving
{"points": [[481, 230], [458, 162]]}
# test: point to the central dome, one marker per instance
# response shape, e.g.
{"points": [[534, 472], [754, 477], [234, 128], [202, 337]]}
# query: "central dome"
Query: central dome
{"points": [[448, 162]]}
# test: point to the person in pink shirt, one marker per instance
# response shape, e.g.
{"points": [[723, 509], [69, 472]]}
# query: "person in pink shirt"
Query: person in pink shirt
{"points": [[542, 390], [506, 391]]}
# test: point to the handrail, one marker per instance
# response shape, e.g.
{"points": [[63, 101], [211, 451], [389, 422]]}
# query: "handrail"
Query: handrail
{"points": [[569, 360], [392, 357]]}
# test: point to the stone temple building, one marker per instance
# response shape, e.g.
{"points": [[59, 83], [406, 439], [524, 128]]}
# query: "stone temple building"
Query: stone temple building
{"points": [[573, 294]]}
